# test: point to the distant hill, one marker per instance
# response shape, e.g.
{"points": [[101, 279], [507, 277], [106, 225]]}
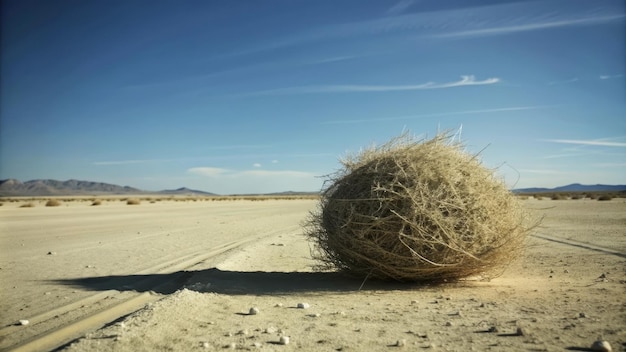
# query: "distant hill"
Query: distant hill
{"points": [[12, 187], [39, 188], [574, 187], [185, 191]]}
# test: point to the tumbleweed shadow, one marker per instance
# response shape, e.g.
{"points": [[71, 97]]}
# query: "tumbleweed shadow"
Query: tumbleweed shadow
{"points": [[233, 282]]}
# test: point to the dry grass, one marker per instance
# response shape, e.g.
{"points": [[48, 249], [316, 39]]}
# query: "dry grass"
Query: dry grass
{"points": [[416, 211], [133, 201], [53, 203]]}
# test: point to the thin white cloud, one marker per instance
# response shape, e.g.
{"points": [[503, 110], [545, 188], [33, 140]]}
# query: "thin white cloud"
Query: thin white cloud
{"points": [[256, 165], [469, 80], [532, 26], [208, 171], [274, 161], [592, 142], [216, 172], [453, 113], [604, 77], [400, 7], [272, 173], [129, 162]]}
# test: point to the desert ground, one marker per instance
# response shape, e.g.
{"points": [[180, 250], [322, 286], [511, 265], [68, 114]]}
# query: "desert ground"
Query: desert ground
{"points": [[214, 275]]}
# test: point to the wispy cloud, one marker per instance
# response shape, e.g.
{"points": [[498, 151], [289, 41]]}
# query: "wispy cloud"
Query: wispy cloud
{"points": [[604, 77], [208, 171], [256, 165], [400, 7], [592, 142], [216, 172], [469, 80], [533, 26], [130, 162], [452, 113]]}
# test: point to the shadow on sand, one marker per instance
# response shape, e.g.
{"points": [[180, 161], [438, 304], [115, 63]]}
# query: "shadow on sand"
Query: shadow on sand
{"points": [[234, 282]]}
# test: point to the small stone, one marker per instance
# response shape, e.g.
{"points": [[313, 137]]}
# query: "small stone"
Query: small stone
{"points": [[242, 332], [270, 330], [601, 346], [278, 305], [52, 253], [521, 331], [303, 305], [284, 340], [316, 315], [253, 311], [448, 323], [414, 301], [231, 345], [205, 345], [492, 329], [401, 343], [582, 315], [24, 322], [257, 344], [566, 271]]}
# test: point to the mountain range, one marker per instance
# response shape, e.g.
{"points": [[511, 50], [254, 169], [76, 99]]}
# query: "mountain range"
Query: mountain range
{"points": [[574, 187], [35, 188]]}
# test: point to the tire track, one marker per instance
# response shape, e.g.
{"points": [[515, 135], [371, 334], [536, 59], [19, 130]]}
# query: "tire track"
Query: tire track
{"points": [[578, 244], [54, 336]]}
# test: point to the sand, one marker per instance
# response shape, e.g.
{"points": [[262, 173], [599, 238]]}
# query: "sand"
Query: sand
{"points": [[182, 276]]}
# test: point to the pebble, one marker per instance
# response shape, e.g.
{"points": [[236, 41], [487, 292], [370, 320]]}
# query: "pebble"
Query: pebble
{"points": [[52, 253], [278, 305], [521, 331], [401, 343], [253, 311], [24, 322], [242, 332], [257, 344], [284, 340], [303, 305], [205, 345], [601, 346], [582, 315], [448, 323], [270, 330]]}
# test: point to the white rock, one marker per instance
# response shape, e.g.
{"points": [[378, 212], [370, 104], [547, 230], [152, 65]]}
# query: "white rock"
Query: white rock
{"points": [[24, 322], [601, 346], [284, 340], [303, 305], [270, 330], [401, 343], [254, 311]]}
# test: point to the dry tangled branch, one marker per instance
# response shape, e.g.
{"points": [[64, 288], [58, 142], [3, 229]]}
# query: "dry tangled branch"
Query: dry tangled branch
{"points": [[416, 211]]}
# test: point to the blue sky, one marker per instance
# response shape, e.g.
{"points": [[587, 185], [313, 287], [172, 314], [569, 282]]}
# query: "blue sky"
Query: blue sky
{"points": [[265, 96]]}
